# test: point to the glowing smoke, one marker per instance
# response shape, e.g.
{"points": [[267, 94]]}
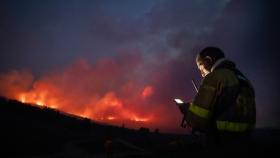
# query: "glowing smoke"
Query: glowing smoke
{"points": [[118, 91]]}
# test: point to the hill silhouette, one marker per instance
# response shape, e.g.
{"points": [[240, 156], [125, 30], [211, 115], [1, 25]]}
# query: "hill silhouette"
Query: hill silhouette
{"points": [[31, 130], [38, 131]]}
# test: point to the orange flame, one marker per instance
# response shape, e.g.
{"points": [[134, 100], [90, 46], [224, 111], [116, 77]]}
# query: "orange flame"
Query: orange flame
{"points": [[109, 101], [107, 92], [22, 98], [138, 119], [148, 91], [111, 118]]}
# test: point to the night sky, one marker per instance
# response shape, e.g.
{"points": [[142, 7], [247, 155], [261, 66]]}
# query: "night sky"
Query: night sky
{"points": [[135, 51]]}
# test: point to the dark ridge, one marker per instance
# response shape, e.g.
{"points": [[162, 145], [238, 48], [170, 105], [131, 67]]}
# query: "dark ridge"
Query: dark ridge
{"points": [[38, 131], [29, 130]]}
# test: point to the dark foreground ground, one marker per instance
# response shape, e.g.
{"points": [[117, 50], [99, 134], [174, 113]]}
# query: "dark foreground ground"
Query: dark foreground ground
{"points": [[31, 131]]}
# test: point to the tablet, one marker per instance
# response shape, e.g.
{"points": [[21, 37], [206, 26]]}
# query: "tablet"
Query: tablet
{"points": [[178, 101]]}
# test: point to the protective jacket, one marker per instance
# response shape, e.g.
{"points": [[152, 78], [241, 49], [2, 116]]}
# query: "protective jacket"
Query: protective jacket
{"points": [[225, 102]]}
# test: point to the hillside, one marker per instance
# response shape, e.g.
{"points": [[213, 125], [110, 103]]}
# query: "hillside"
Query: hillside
{"points": [[38, 131], [32, 130]]}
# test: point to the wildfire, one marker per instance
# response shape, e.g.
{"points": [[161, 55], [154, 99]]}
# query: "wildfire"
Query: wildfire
{"points": [[22, 98], [106, 92], [141, 119], [39, 103], [53, 106], [111, 118], [147, 92], [25, 98], [110, 101]]}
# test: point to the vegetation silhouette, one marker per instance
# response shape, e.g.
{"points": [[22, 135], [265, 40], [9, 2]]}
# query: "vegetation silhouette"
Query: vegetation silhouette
{"points": [[30, 130]]}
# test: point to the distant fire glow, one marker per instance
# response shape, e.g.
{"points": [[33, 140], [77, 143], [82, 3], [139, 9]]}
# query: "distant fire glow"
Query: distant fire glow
{"points": [[148, 91], [111, 118], [22, 98], [140, 119], [109, 91], [109, 101]]}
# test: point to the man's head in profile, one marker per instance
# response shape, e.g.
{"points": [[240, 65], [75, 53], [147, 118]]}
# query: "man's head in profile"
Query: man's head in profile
{"points": [[207, 58]]}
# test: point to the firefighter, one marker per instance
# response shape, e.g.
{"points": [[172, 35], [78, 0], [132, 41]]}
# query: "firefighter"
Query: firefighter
{"points": [[223, 110]]}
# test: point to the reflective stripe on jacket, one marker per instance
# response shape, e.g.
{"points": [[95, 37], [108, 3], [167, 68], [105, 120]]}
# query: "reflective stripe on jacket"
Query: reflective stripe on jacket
{"points": [[225, 101]]}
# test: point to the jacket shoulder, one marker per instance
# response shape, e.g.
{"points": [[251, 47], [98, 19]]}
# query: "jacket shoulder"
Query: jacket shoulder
{"points": [[222, 75]]}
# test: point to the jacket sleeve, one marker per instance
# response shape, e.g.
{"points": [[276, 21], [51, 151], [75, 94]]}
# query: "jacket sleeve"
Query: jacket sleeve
{"points": [[200, 110]]}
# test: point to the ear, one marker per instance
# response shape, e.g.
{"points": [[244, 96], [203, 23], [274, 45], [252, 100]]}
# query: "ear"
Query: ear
{"points": [[208, 59], [209, 62]]}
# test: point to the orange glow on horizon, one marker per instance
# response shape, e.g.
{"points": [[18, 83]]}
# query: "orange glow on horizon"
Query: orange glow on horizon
{"points": [[111, 118], [53, 106], [109, 101], [141, 119], [39, 103], [22, 99], [147, 92], [110, 90]]}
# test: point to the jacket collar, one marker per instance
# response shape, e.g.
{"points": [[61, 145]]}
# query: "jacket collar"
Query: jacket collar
{"points": [[217, 63]]}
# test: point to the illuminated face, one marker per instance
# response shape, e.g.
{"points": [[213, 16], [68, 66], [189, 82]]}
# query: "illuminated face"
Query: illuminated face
{"points": [[201, 67]]}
